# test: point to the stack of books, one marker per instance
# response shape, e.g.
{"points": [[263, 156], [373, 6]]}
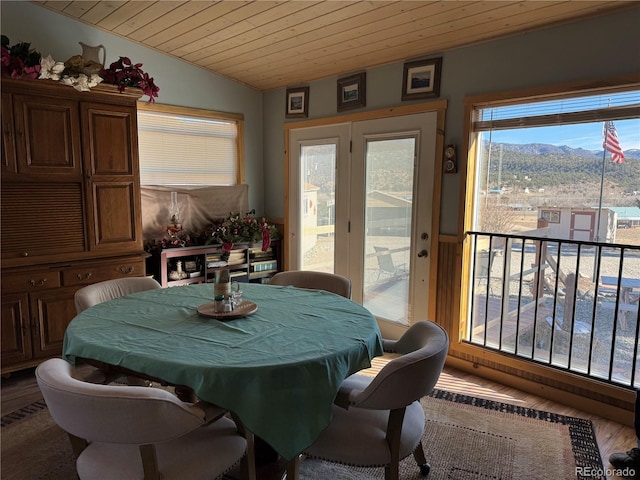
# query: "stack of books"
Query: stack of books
{"points": [[265, 266], [213, 260], [236, 257]]}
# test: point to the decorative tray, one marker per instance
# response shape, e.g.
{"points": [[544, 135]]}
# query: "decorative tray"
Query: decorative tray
{"points": [[243, 310]]}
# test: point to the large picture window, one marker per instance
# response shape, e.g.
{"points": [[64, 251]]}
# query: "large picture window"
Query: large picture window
{"points": [[553, 255], [188, 147]]}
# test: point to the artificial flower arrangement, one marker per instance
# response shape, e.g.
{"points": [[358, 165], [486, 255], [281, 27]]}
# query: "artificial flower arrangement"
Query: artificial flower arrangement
{"points": [[21, 61], [234, 229], [124, 73], [238, 228]]}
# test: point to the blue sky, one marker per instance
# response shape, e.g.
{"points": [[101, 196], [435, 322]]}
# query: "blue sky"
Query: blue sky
{"points": [[583, 135]]}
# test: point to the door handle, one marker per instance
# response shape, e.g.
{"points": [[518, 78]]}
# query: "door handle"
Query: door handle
{"points": [[423, 253]]}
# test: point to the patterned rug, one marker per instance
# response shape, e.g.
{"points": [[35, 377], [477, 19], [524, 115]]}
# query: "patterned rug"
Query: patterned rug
{"points": [[469, 438], [465, 438]]}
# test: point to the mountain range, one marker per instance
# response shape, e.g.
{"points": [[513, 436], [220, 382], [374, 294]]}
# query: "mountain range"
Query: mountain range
{"points": [[546, 149]]}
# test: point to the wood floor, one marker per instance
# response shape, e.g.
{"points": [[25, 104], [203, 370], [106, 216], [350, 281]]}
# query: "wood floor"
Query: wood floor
{"points": [[20, 389]]}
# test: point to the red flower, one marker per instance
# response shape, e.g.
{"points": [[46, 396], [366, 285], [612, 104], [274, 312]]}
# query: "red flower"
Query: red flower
{"points": [[124, 74], [266, 238]]}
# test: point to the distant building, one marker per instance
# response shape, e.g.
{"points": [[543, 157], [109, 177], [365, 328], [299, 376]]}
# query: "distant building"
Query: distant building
{"points": [[626, 217], [578, 223]]}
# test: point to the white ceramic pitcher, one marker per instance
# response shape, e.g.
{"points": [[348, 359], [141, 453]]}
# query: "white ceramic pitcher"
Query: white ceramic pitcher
{"points": [[93, 53]]}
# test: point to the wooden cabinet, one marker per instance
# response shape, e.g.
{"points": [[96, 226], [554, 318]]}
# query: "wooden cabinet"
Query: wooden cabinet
{"points": [[76, 181], [38, 304], [70, 206]]}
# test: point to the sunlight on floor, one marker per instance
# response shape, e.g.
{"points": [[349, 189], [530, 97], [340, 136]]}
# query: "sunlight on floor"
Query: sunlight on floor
{"points": [[451, 383], [465, 387]]}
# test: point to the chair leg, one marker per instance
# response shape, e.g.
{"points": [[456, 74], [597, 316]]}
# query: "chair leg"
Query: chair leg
{"points": [[77, 444], [293, 468], [249, 460], [421, 460], [149, 462], [248, 464], [394, 432]]}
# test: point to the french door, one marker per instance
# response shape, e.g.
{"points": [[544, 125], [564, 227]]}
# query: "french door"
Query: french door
{"points": [[360, 205]]}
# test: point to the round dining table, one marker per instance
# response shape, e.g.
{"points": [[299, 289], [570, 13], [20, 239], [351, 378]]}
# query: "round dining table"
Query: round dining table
{"points": [[278, 369]]}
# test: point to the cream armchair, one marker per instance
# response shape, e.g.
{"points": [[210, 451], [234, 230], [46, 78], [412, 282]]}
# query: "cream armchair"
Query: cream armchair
{"points": [[101, 292], [123, 432], [378, 421], [329, 282]]}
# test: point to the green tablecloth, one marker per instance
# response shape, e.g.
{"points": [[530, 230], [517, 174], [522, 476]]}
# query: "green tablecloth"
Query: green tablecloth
{"points": [[278, 369]]}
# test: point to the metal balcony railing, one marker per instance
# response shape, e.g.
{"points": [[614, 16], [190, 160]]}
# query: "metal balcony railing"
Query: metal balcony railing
{"points": [[571, 305]]}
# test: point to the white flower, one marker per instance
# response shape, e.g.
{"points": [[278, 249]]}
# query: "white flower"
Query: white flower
{"points": [[67, 80], [49, 68], [94, 80]]}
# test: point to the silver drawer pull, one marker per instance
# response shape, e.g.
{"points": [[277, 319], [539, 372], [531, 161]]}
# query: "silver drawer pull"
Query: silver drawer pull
{"points": [[38, 283], [126, 270], [86, 276]]}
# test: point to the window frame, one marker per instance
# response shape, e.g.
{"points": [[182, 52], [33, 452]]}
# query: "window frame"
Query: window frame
{"points": [[512, 371], [238, 118]]}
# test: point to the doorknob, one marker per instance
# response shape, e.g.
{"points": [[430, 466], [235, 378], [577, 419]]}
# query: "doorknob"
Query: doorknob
{"points": [[423, 253]]}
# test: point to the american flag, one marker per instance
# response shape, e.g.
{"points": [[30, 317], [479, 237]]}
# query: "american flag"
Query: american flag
{"points": [[611, 143]]}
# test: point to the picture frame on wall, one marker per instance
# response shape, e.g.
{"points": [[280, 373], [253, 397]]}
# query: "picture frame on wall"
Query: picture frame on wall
{"points": [[352, 91], [297, 102], [421, 79]]}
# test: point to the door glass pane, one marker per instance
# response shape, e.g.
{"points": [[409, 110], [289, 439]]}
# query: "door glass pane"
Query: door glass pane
{"points": [[317, 209], [389, 182]]}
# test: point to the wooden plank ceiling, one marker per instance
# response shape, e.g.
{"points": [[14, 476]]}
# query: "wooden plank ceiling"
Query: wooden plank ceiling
{"points": [[273, 44]]}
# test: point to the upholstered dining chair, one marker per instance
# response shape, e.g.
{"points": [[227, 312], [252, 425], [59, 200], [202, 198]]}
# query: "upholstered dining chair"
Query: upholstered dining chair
{"points": [[123, 432], [104, 291], [101, 292], [329, 282], [378, 421]]}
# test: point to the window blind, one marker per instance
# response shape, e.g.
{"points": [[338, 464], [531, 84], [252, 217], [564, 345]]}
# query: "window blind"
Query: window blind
{"points": [[595, 108], [178, 150]]}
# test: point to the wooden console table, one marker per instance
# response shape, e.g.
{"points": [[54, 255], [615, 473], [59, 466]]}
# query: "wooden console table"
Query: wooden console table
{"points": [[254, 266]]}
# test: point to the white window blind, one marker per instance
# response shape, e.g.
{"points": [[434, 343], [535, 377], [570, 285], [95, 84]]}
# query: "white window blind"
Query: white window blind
{"points": [[583, 109], [178, 150]]}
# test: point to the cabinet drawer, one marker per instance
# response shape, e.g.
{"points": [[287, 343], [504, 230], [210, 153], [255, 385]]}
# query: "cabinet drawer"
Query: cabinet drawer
{"points": [[30, 282], [98, 272]]}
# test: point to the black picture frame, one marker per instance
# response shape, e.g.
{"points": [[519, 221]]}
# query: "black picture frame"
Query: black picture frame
{"points": [[352, 91], [421, 79], [297, 105]]}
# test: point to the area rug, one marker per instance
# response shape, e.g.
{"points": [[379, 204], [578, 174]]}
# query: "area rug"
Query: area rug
{"points": [[465, 438], [469, 438]]}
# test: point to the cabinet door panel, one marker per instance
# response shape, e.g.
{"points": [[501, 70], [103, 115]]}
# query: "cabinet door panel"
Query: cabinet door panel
{"points": [[110, 139], [8, 137], [16, 330], [41, 219], [114, 216], [52, 311], [113, 185], [48, 135]]}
